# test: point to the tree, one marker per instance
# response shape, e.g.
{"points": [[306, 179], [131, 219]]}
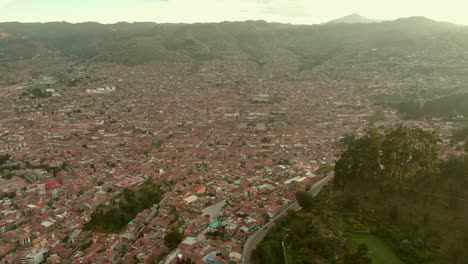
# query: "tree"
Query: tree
{"points": [[409, 109], [269, 251], [351, 203], [361, 161], [4, 158], [454, 170], [453, 200], [189, 261], [305, 200], [129, 204], [408, 154], [393, 215], [8, 175], [173, 238], [391, 160], [347, 139], [360, 257], [460, 135]]}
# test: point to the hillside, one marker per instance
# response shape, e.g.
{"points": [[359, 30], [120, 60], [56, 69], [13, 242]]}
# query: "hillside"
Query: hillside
{"points": [[417, 205], [450, 107], [260, 42], [406, 210], [409, 58]]}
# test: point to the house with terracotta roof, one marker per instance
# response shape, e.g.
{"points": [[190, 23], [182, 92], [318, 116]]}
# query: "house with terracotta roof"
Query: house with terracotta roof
{"points": [[200, 189]]}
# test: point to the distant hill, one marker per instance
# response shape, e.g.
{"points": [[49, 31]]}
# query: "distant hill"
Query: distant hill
{"points": [[264, 44], [422, 21], [353, 19]]}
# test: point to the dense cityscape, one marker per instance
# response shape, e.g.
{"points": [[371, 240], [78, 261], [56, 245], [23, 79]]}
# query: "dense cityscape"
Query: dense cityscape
{"points": [[200, 158]]}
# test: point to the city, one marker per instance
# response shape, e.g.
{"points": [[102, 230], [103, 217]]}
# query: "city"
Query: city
{"points": [[227, 142]]}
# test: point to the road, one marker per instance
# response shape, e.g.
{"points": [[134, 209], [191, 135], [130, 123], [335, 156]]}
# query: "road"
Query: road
{"points": [[258, 236]]}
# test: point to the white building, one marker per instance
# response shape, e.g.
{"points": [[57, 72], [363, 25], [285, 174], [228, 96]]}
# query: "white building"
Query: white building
{"points": [[36, 255], [190, 199]]}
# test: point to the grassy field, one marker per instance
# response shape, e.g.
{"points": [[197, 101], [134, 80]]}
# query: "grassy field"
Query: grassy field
{"points": [[381, 253]]}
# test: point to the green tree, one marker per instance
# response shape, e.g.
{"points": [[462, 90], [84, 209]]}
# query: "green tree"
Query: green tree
{"points": [[269, 251], [129, 204], [351, 203], [393, 215], [4, 158], [408, 154], [347, 139], [391, 160], [359, 257], [173, 238], [361, 161], [460, 134], [454, 171], [409, 109], [305, 200]]}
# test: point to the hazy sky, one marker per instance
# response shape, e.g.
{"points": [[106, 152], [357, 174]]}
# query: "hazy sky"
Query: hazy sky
{"points": [[288, 11]]}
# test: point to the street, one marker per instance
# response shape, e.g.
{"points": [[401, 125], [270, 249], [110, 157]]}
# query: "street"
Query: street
{"points": [[258, 236]]}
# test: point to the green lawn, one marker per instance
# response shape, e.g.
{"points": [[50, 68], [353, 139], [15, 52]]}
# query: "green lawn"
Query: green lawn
{"points": [[381, 253]]}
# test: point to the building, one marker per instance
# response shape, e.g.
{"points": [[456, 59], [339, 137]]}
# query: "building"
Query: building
{"points": [[190, 199], [35, 255]]}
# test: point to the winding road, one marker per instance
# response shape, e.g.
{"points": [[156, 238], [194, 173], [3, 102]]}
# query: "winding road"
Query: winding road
{"points": [[258, 236]]}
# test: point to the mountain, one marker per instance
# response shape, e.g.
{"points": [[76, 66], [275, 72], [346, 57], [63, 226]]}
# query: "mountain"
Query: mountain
{"points": [[266, 45], [353, 19]]}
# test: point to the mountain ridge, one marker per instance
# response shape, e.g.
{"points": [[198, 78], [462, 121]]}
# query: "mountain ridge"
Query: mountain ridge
{"points": [[354, 19], [260, 42]]}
